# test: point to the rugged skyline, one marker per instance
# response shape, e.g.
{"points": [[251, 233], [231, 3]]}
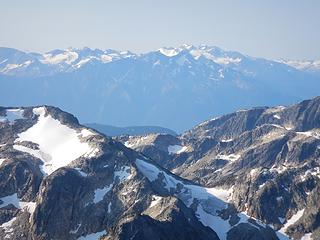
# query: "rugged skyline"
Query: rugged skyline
{"points": [[269, 29]]}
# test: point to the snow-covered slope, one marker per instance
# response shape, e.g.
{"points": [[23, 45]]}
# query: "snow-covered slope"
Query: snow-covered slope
{"points": [[58, 144]]}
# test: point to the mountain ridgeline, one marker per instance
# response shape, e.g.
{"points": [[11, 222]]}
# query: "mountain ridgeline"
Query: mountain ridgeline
{"points": [[172, 87], [253, 174]]}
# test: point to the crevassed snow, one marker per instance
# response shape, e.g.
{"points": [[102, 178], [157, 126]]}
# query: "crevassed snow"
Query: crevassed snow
{"points": [[93, 236], [58, 144], [291, 221], [101, 192], [176, 149], [7, 227], [12, 115]]}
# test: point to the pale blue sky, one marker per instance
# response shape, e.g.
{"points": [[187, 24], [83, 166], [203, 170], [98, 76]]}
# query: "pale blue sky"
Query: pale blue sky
{"points": [[270, 28]]}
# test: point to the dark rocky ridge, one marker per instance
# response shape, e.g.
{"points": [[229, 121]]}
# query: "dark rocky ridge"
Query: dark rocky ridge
{"points": [[269, 156], [102, 193]]}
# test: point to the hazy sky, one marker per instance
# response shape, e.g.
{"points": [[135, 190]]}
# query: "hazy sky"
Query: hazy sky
{"points": [[269, 28]]}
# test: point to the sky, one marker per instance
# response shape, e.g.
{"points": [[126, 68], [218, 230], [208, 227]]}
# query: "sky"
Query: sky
{"points": [[271, 29]]}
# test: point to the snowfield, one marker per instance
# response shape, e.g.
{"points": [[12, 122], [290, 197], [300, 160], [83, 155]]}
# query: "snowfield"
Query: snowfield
{"points": [[210, 200], [58, 144]]}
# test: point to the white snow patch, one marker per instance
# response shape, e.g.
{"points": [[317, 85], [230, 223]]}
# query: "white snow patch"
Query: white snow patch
{"points": [[307, 236], [227, 60], [254, 171], [86, 133], [101, 192], [282, 220], [135, 142], [278, 169], [83, 174], [7, 227], [291, 221], [93, 236], [123, 174], [58, 144], [279, 199], [14, 200], [2, 160], [261, 185], [220, 226], [176, 149], [12, 115], [210, 200], [312, 133], [190, 191], [106, 58], [67, 57], [76, 230], [276, 116], [13, 66], [29, 207], [83, 62], [155, 200], [109, 207], [11, 199], [169, 52], [226, 140], [230, 157]]}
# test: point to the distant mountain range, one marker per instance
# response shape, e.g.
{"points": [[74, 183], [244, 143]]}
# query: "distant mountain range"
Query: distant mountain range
{"points": [[132, 131], [172, 87]]}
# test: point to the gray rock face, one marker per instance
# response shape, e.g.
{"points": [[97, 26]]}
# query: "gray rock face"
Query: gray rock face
{"points": [[268, 156], [169, 219], [100, 194], [241, 176]]}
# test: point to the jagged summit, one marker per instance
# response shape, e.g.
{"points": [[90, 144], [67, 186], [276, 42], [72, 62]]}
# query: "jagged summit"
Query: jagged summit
{"points": [[61, 180]]}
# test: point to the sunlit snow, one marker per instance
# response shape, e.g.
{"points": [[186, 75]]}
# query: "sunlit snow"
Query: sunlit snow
{"points": [[58, 144]]}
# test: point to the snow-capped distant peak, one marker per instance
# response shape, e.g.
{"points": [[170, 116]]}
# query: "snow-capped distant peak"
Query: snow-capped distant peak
{"points": [[312, 65], [67, 57], [169, 52]]}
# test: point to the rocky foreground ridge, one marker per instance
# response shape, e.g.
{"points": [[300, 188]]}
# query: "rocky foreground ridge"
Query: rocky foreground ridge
{"points": [[247, 175], [268, 156]]}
